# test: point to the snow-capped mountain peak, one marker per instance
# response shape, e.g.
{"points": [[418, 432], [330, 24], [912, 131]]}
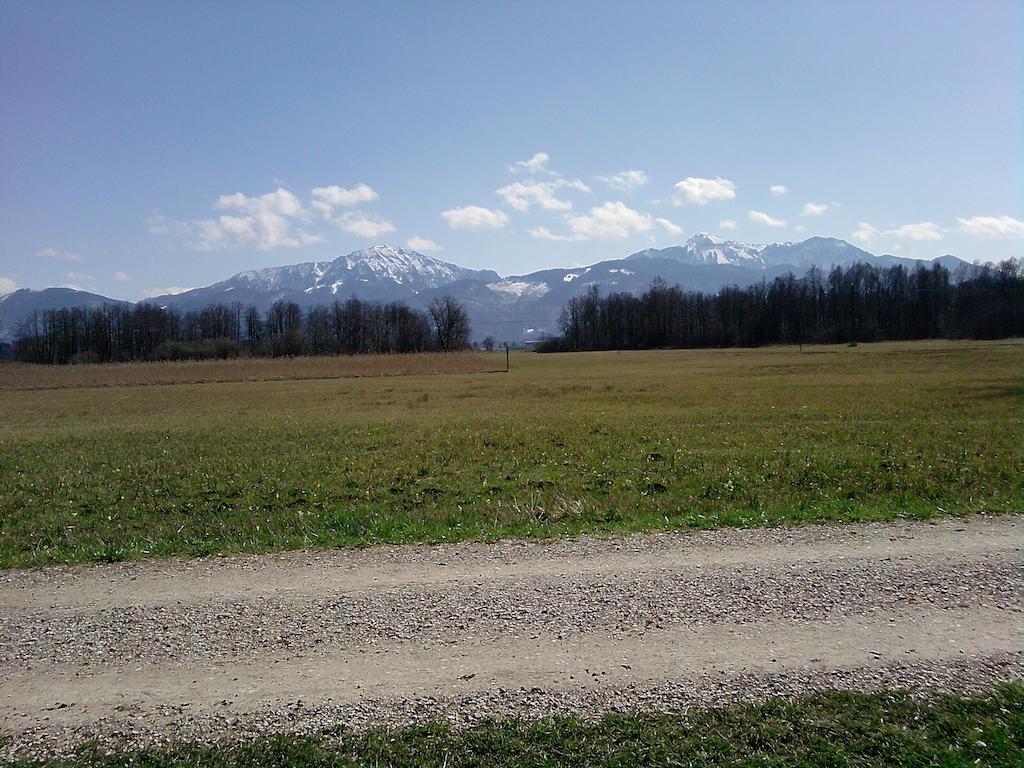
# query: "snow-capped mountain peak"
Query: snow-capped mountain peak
{"points": [[383, 272], [706, 238], [705, 248], [399, 265], [277, 278]]}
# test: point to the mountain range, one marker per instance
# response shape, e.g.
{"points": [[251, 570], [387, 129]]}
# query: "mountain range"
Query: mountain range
{"points": [[514, 308]]}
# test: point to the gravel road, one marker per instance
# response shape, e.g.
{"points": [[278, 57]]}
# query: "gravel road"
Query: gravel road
{"points": [[220, 648]]}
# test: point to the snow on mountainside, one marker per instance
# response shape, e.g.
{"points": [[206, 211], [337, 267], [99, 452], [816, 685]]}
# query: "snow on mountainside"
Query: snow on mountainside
{"points": [[382, 262], [402, 266], [518, 289], [291, 278], [382, 273], [815, 251], [705, 248]]}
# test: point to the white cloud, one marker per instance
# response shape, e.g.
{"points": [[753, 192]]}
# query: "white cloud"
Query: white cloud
{"points": [[475, 217], [543, 233], [361, 225], [79, 276], [727, 224], [536, 165], [265, 222], [520, 196], [158, 224], [326, 199], [422, 244], [865, 232], [926, 230], [778, 190], [280, 202], [272, 220], [7, 285], [121, 277], [992, 226], [799, 228], [815, 209], [759, 217], [670, 227], [626, 181], [262, 233], [53, 253], [702, 191], [611, 221]]}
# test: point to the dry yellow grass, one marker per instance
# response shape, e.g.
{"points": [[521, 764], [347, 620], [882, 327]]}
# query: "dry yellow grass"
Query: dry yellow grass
{"points": [[15, 376]]}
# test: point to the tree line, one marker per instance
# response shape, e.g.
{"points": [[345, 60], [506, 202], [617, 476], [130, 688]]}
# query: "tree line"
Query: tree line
{"points": [[860, 303], [125, 333]]}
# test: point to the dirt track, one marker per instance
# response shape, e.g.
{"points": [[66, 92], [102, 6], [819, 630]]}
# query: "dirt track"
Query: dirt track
{"points": [[227, 647]]}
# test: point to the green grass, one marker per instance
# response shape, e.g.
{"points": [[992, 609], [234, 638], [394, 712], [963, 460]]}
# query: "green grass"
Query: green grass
{"points": [[834, 729], [564, 444]]}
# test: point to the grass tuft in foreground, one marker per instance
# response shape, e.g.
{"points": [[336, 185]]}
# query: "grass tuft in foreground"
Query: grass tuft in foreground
{"points": [[832, 729]]}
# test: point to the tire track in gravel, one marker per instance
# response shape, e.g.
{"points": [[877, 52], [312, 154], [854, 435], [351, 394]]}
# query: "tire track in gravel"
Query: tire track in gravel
{"points": [[451, 613], [174, 581]]}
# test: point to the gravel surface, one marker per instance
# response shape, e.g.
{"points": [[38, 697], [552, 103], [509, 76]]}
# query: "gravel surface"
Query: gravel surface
{"points": [[451, 614], [217, 648], [175, 723]]}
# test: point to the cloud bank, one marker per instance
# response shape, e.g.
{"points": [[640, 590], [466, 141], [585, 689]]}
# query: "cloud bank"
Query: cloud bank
{"points": [[992, 226]]}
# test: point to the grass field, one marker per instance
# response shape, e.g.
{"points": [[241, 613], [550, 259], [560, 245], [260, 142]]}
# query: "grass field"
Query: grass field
{"points": [[26, 376], [834, 729], [563, 444]]}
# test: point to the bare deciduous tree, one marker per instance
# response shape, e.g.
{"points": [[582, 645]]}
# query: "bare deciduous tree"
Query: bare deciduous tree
{"points": [[451, 323], [854, 304]]}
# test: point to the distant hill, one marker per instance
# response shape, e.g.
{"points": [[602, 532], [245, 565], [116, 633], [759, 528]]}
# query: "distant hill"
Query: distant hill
{"points": [[513, 308], [21, 304]]}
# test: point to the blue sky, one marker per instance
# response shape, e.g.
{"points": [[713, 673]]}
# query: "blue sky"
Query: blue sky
{"points": [[148, 146]]}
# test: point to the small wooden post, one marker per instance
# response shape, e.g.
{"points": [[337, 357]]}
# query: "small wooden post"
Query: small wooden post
{"points": [[506, 357]]}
